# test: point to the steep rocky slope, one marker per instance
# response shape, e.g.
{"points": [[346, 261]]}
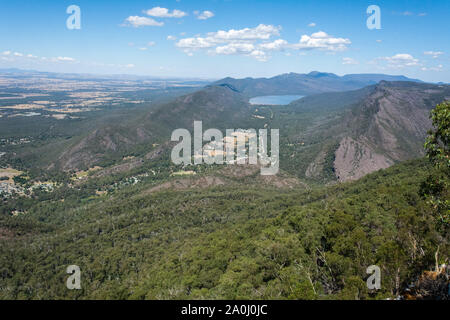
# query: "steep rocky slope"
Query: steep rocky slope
{"points": [[388, 126]]}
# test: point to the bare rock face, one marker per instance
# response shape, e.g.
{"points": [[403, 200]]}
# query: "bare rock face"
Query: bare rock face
{"points": [[389, 125], [315, 168], [355, 159]]}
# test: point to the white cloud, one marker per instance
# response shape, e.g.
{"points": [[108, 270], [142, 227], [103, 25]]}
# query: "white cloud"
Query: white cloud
{"points": [[398, 61], [410, 14], [261, 32], [6, 53], [312, 24], [143, 48], [197, 43], [235, 48], [136, 21], [129, 65], [235, 42], [68, 59], [165, 13], [379, 41], [349, 61], [18, 54], [437, 69], [204, 15], [278, 44], [171, 38], [257, 42], [151, 44], [434, 54], [321, 40], [259, 55]]}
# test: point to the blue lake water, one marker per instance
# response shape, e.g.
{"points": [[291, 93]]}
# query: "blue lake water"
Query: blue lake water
{"points": [[274, 100]]}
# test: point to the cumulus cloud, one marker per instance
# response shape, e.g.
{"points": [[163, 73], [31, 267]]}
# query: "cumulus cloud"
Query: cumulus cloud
{"points": [[259, 55], [276, 45], [204, 15], [258, 42], [349, 61], [235, 48], [197, 43], [234, 42], [398, 61], [171, 38], [136, 21], [434, 54], [321, 40], [312, 24], [165, 13], [261, 32], [6, 53]]}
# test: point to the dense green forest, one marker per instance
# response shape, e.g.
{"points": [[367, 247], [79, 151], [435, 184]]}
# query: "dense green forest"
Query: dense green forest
{"points": [[232, 242]]}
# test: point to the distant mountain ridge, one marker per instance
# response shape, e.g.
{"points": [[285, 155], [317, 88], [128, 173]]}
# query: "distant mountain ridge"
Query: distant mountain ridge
{"points": [[307, 84]]}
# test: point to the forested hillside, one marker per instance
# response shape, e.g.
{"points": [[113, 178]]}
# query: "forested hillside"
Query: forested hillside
{"points": [[229, 241]]}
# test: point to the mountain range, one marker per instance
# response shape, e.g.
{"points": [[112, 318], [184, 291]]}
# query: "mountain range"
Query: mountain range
{"points": [[307, 84], [324, 137]]}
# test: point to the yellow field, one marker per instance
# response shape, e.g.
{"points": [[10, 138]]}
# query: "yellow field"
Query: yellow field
{"points": [[183, 173], [10, 173], [83, 174]]}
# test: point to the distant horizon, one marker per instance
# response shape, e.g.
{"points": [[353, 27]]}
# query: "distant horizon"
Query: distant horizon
{"points": [[206, 79]]}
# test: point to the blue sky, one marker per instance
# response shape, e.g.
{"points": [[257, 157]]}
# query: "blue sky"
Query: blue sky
{"points": [[218, 38]]}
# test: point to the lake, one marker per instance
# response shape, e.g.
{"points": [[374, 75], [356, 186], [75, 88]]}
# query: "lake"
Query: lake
{"points": [[274, 100]]}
